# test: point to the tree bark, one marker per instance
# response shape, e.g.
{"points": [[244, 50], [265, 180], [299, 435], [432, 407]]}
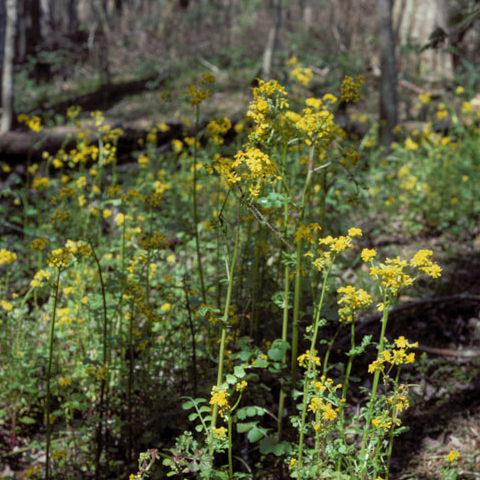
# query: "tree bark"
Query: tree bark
{"points": [[272, 40], [388, 76], [7, 74]]}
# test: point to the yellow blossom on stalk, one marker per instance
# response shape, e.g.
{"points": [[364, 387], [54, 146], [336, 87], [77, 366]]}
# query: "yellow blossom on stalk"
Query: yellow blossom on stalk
{"points": [[353, 300], [119, 219], [64, 382], [410, 144], [39, 244], [306, 231], [7, 306], [302, 75], [240, 387], [368, 254], [260, 167], [220, 432], [220, 398], [166, 307], [425, 98], [350, 89], [466, 107], [304, 358], [216, 128], [329, 98], [7, 257], [452, 456], [391, 275], [422, 261], [196, 95], [382, 421], [39, 277], [33, 123], [142, 161]]}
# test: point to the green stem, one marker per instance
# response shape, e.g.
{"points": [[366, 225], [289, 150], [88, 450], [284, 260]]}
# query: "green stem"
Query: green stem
{"points": [[286, 276], [195, 206], [49, 373], [298, 269], [376, 378], [311, 365], [221, 355], [230, 460]]}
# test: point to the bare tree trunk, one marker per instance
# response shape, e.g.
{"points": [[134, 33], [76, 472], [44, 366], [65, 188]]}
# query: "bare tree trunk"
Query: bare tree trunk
{"points": [[7, 76], [272, 40], [388, 77], [2, 40]]}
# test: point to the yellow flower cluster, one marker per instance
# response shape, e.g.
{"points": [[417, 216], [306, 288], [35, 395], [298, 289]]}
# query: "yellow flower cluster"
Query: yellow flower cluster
{"points": [[260, 168], [327, 411], [302, 75], [196, 95], [220, 398], [335, 245], [395, 356], [350, 89], [216, 128], [391, 275], [383, 421], [269, 98], [422, 261], [307, 232], [305, 358], [39, 277], [452, 456], [33, 123], [353, 300], [7, 257]]}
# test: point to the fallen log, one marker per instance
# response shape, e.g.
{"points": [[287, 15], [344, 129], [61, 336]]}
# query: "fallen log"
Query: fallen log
{"points": [[18, 145]]}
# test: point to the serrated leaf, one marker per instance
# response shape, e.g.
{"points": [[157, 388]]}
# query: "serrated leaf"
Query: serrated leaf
{"points": [[231, 379]]}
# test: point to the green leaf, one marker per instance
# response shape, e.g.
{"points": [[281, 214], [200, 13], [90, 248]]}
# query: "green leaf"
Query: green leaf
{"points": [[239, 371], [193, 416], [198, 428], [244, 427], [231, 379], [256, 433], [27, 420], [188, 405], [269, 445]]}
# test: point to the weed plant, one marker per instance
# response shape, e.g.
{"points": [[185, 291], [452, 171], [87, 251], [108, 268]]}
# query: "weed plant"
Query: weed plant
{"points": [[211, 277]]}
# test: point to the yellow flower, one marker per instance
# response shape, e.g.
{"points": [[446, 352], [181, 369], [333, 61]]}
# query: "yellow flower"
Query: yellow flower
{"points": [[120, 218], [219, 398], [452, 456], [410, 144], [368, 254], [166, 307], [7, 257]]}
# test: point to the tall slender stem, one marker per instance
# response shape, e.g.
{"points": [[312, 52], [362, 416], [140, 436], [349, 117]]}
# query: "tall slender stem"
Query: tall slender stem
{"points": [[221, 355], [195, 206], [311, 364], [49, 373], [376, 378], [298, 268]]}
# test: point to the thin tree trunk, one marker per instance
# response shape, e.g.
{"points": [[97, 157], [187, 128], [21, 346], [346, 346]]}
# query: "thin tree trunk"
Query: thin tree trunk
{"points": [[7, 76], [272, 40], [388, 77]]}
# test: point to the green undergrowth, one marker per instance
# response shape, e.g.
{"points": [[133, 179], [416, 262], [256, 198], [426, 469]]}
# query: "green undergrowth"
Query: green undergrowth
{"points": [[187, 306]]}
